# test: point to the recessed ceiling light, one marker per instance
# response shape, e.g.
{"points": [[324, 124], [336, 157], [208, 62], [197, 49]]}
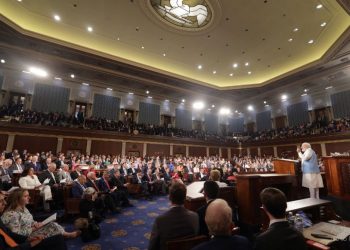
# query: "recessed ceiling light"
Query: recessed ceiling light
{"points": [[2, 61], [266, 105], [231, 74], [199, 66], [118, 38], [72, 76], [236, 111], [284, 97], [57, 18], [214, 72], [164, 54], [295, 29], [131, 93], [306, 90], [305, 94], [235, 65], [209, 109], [149, 97], [328, 87], [110, 89], [183, 100], [246, 64], [19, 0], [224, 111], [265, 102], [89, 28], [319, 6], [147, 92], [38, 71], [166, 100], [323, 24], [58, 78], [213, 106], [24, 71], [310, 41], [142, 47], [290, 39], [199, 105], [249, 72], [85, 84], [250, 108]]}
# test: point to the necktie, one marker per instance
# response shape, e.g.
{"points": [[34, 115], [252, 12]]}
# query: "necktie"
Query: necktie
{"points": [[109, 188], [9, 241]]}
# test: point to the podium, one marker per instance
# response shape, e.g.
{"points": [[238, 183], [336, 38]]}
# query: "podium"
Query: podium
{"points": [[338, 176], [286, 166]]}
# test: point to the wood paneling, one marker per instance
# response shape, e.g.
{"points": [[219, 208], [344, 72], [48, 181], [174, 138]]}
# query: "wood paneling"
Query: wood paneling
{"points": [[106, 147], [35, 144], [340, 147], [268, 151], [179, 150], [224, 153], [3, 142], [254, 152], [289, 151], [197, 151], [74, 145], [158, 150], [317, 148], [234, 152], [132, 148], [250, 127], [244, 151], [213, 151]]}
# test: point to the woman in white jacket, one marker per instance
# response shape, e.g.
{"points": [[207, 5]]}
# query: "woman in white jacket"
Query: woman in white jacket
{"points": [[30, 181]]}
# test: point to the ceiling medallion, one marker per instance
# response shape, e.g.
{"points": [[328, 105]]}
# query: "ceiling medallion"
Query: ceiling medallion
{"points": [[188, 14]]}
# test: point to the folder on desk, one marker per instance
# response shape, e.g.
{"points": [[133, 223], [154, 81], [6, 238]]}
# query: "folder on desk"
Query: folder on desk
{"points": [[336, 232]]}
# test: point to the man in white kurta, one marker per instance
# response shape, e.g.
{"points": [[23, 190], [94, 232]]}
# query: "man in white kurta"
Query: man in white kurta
{"points": [[311, 172]]}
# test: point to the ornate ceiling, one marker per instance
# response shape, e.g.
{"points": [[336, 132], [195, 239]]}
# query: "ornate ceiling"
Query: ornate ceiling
{"points": [[267, 40]]}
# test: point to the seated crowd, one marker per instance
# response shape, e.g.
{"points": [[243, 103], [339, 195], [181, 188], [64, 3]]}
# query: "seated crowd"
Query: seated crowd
{"points": [[102, 185], [21, 116]]}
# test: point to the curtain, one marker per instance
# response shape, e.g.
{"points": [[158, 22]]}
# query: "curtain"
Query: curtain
{"points": [[183, 119], [211, 123], [1, 80], [48, 98], [340, 104], [263, 120], [149, 113], [297, 114], [106, 107], [236, 125]]}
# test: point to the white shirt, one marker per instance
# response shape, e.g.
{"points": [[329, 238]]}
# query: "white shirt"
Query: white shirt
{"points": [[306, 155], [276, 220], [27, 182]]}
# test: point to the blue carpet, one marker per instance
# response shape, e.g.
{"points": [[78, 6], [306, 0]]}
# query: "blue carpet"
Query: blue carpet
{"points": [[129, 230]]}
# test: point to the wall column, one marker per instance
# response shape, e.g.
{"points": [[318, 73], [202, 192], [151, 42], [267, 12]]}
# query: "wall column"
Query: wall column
{"points": [[259, 152], [59, 144], [171, 152], [10, 142], [323, 149], [88, 146], [207, 151], [275, 151], [144, 149], [220, 153], [229, 153], [187, 151], [123, 148]]}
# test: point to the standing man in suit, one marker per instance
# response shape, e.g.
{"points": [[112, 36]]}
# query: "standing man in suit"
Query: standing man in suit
{"points": [[177, 222], [76, 173], [211, 190], [54, 183], [312, 178], [280, 235], [219, 220]]}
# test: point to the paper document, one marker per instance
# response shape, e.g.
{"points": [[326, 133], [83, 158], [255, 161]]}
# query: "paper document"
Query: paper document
{"points": [[336, 232], [63, 181], [46, 181], [49, 219], [12, 189]]}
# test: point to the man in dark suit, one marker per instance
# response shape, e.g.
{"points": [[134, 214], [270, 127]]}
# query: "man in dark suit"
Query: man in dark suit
{"points": [[211, 190], [219, 220], [280, 235], [34, 164], [17, 166], [10, 240], [177, 222], [76, 173], [118, 186], [79, 187]]}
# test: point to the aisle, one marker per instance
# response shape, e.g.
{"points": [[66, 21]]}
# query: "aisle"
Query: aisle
{"points": [[129, 230]]}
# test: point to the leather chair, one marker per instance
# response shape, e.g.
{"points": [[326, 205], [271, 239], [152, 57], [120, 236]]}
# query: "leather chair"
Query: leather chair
{"points": [[185, 243], [71, 205]]}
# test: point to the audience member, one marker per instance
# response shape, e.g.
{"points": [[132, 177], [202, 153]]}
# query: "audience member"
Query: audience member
{"points": [[280, 235]]}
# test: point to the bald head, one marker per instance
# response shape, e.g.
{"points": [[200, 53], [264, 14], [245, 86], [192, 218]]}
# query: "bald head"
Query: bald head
{"points": [[218, 218]]}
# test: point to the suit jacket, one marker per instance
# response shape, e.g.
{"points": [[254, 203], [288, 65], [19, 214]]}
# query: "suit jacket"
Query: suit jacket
{"points": [[280, 236], [225, 243], [203, 228], [74, 175], [93, 184], [177, 222], [15, 167], [36, 167], [47, 175], [77, 190], [102, 185]]}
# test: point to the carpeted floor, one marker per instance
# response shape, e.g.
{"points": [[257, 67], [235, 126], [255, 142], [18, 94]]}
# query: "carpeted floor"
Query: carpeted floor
{"points": [[129, 230]]}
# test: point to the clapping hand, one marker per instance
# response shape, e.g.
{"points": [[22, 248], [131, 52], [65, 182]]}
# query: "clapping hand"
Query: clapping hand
{"points": [[298, 149]]}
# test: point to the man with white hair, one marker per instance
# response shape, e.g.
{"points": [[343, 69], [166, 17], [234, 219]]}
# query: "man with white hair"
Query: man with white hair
{"points": [[311, 172], [219, 221]]}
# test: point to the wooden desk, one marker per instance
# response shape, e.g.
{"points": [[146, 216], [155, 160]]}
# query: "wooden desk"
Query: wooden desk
{"points": [[249, 188], [338, 176]]}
